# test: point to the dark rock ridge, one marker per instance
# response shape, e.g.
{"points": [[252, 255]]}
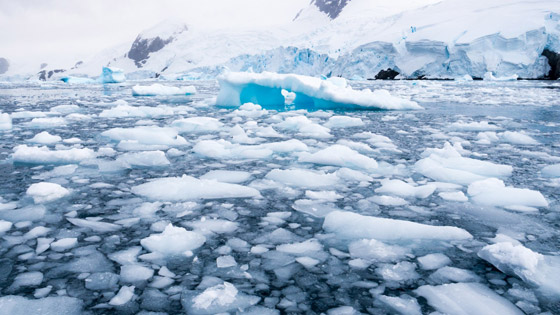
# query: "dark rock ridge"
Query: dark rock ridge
{"points": [[332, 8], [554, 63], [4, 65], [44, 75], [388, 74], [142, 47]]}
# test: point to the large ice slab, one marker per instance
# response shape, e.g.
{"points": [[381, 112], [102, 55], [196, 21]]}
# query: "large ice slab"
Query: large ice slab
{"points": [[189, 188], [173, 241], [237, 88], [112, 75], [42, 155], [466, 299], [56, 305], [351, 226]]}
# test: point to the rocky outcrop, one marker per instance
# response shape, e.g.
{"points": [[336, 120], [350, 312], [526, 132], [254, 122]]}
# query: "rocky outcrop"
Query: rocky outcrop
{"points": [[332, 8], [143, 47], [388, 74], [44, 75]]}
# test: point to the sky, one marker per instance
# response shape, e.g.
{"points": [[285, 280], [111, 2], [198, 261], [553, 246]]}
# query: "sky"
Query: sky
{"points": [[34, 30]]}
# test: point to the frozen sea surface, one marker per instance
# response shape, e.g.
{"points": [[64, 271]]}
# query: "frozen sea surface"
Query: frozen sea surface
{"points": [[111, 203]]}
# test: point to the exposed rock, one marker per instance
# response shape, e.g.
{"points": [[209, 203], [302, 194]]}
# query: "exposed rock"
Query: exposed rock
{"points": [[332, 8], [554, 63], [44, 75], [388, 74], [142, 47]]}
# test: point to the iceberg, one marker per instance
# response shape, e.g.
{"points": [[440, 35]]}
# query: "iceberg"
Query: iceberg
{"points": [[5, 121], [160, 89], [112, 75], [265, 89], [76, 80]]}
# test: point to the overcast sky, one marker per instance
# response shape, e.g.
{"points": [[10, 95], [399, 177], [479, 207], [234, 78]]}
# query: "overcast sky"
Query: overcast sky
{"points": [[33, 30]]}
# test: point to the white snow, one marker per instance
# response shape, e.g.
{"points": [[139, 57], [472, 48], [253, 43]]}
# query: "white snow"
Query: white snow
{"points": [[303, 178], [160, 89], [403, 189], [146, 135], [46, 192], [433, 261], [189, 188], [144, 159], [351, 226], [551, 170], [197, 125], [343, 122], [134, 273], [232, 177]]}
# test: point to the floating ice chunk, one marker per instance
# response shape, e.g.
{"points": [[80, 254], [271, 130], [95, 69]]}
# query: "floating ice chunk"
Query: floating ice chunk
{"points": [[433, 261], [307, 262], [454, 196], [54, 305], [189, 188], [134, 273], [389, 201], [36, 232], [451, 274], [112, 75], [232, 177], [197, 125], [65, 109], [31, 213], [97, 226], [42, 292], [464, 78], [400, 188], [48, 122], [266, 89], [344, 122], [173, 241], [46, 192], [5, 121], [64, 244], [144, 159], [146, 135], [42, 155], [76, 80], [250, 110], [343, 310], [403, 305], [27, 114], [489, 76], [515, 137], [226, 261], [466, 298], [302, 248], [45, 138], [375, 251], [5, 226], [126, 256], [472, 126], [551, 171], [305, 127], [339, 155], [160, 89], [101, 281], [220, 298], [124, 295], [303, 178], [222, 149], [351, 226], [26, 279], [325, 195], [210, 226], [534, 268], [493, 192], [447, 165], [401, 271]]}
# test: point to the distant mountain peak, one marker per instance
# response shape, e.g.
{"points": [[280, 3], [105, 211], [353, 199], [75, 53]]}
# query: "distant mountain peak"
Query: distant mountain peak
{"points": [[332, 8]]}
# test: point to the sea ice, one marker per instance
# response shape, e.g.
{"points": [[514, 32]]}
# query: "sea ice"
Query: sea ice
{"points": [[42, 155], [197, 125], [160, 89], [303, 178], [402, 189], [232, 177], [189, 188], [466, 298], [64, 244], [5, 121], [237, 88], [112, 75], [46, 192], [352, 226], [220, 298], [45, 138], [493, 192], [173, 241], [339, 155], [124, 295], [146, 135], [54, 305]]}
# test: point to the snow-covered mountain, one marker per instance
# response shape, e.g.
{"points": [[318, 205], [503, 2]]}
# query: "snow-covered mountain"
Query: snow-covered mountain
{"points": [[359, 39]]}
